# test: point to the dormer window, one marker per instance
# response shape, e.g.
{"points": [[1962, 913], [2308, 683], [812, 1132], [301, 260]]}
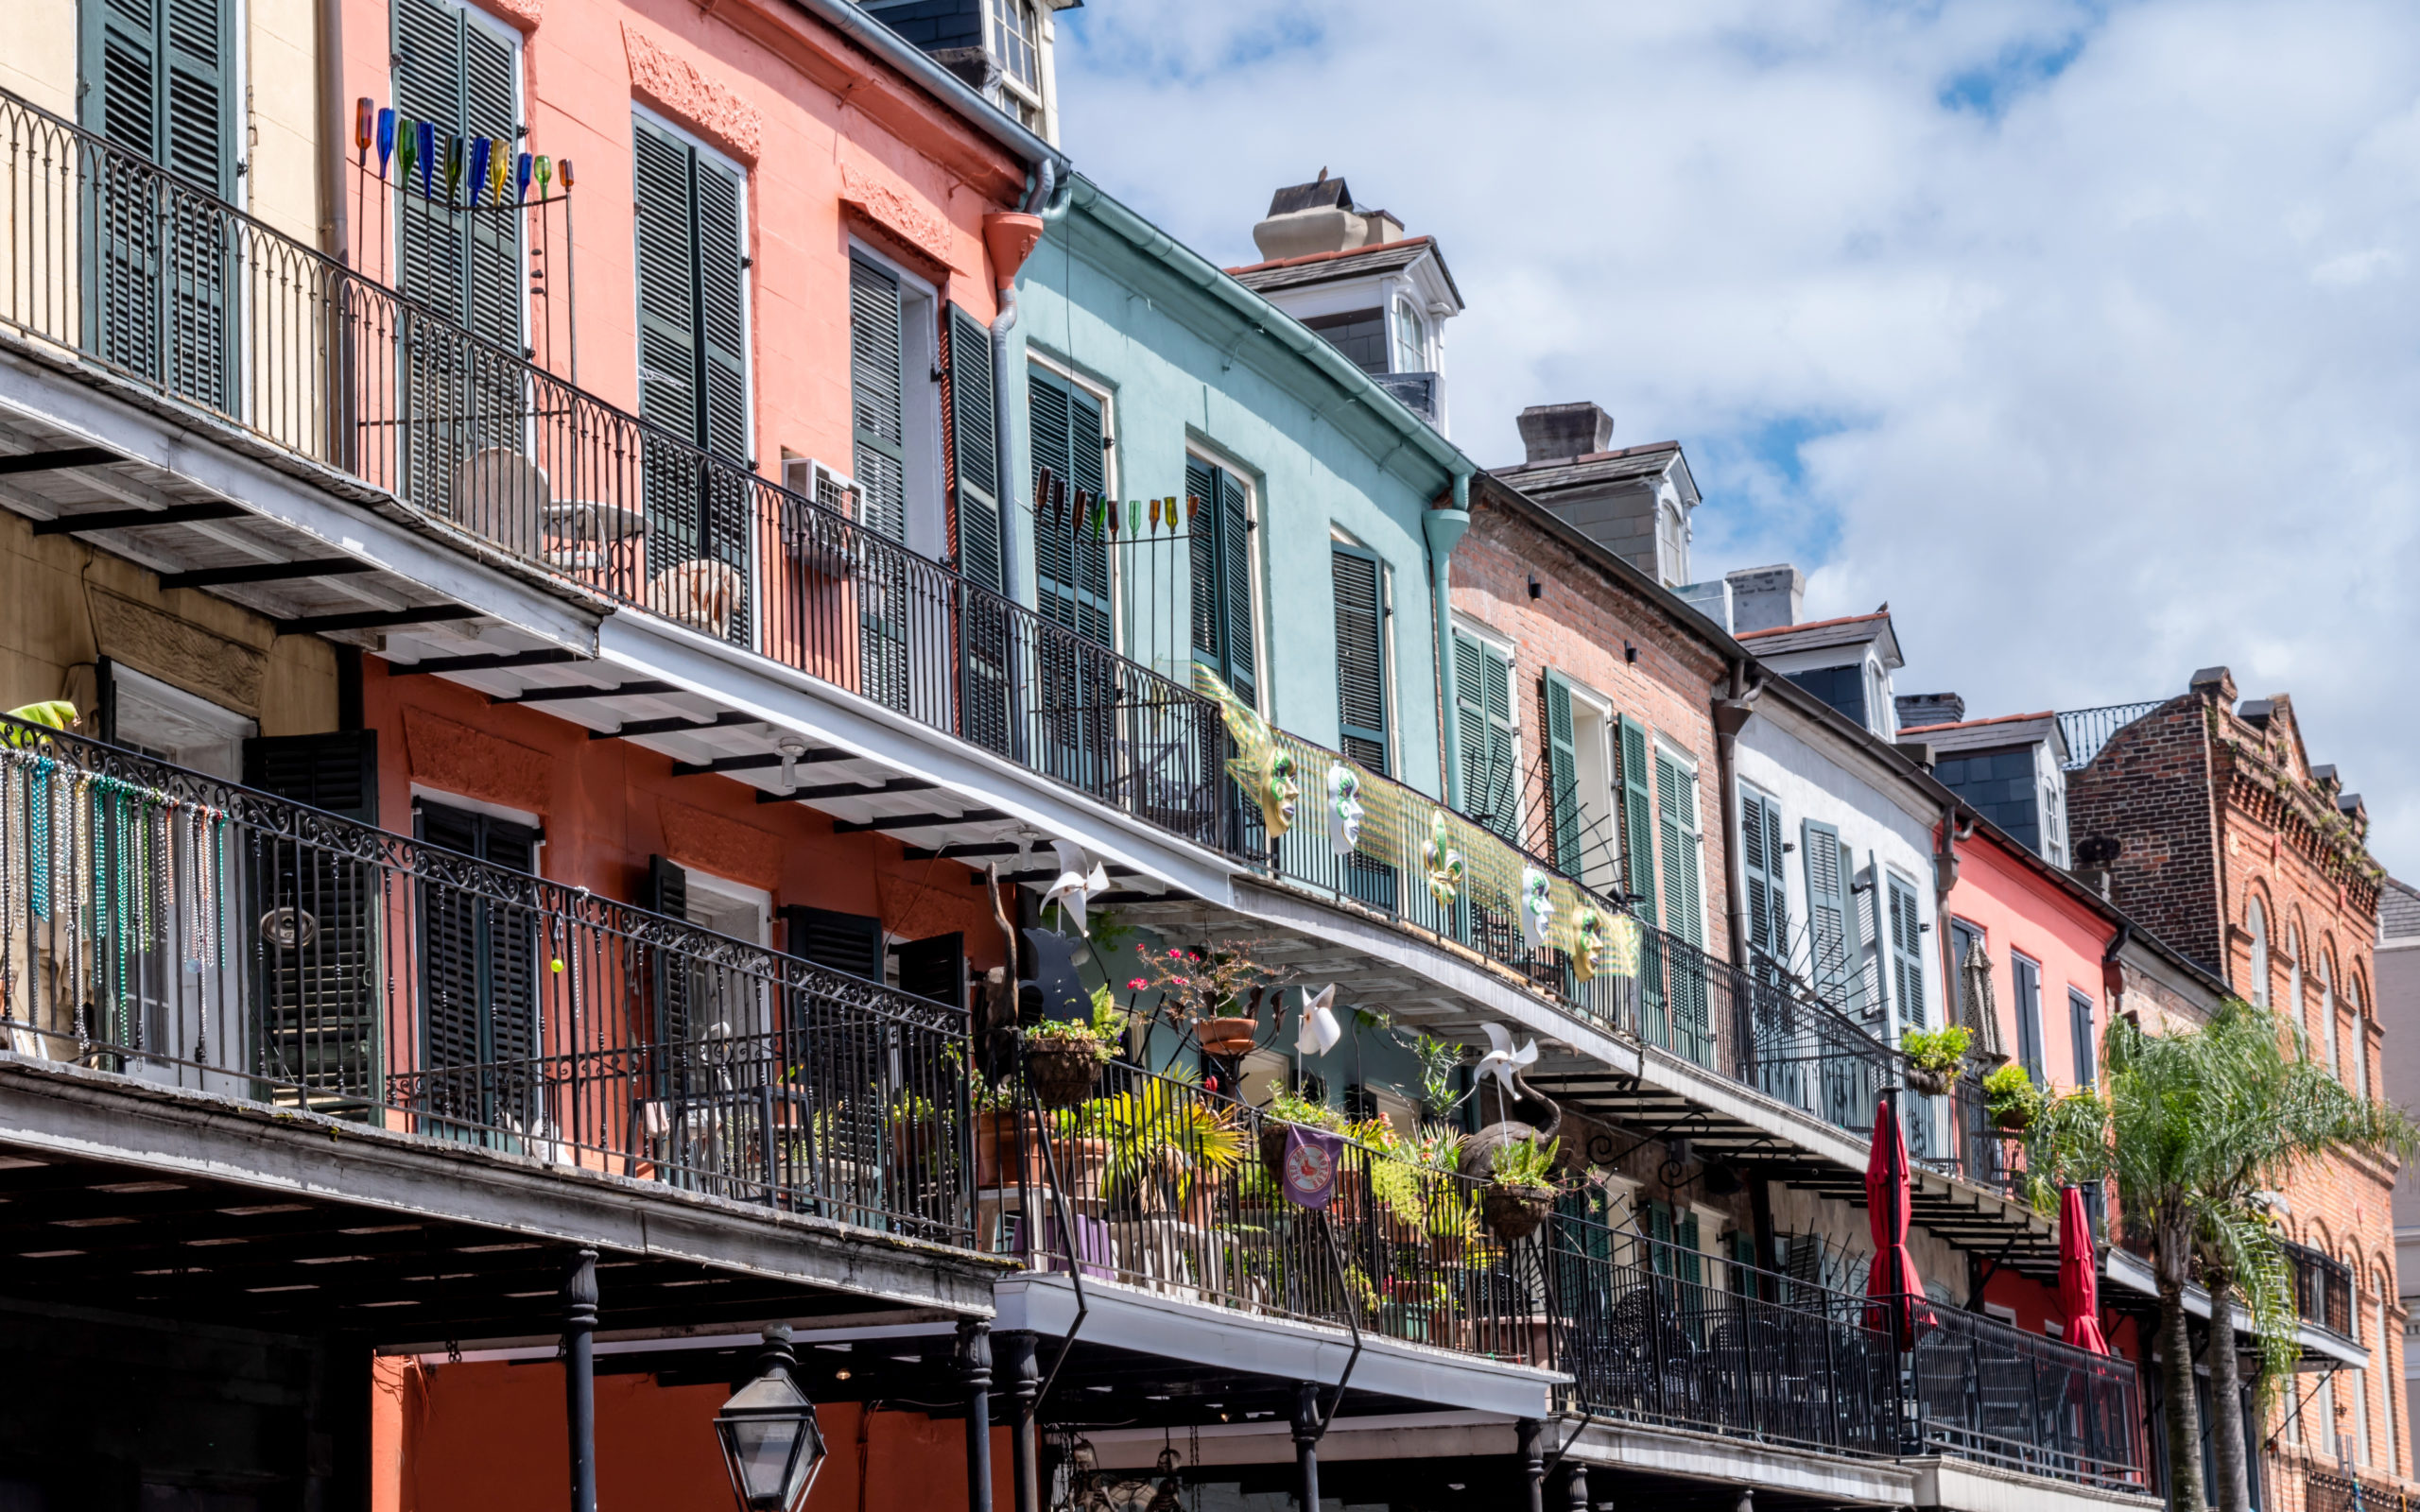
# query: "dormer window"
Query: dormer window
{"points": [[1016, 43], [1360, 335], [1412, 339]]}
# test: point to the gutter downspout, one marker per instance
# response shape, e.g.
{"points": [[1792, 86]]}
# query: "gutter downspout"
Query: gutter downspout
{"points": [[1945, 874], [1046, 197], [1443, 528], [333, 111], [1731, 715]]}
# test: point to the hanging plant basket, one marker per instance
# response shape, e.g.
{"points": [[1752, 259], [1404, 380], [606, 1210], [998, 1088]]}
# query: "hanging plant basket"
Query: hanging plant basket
{"points": [[2013, 1120], [1929, 1082], [1272, 1143], [1061, 1076], [1226, 1036], [1513, 1214]]}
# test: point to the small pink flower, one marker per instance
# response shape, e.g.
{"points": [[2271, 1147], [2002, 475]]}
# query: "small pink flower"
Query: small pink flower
{"points": [[1137, 985]]}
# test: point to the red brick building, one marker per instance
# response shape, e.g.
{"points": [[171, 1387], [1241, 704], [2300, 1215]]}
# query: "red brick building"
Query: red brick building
{"points": [[2213, 829]]}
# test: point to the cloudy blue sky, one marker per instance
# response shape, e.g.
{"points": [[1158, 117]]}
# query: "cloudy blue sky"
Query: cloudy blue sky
{"points": [[2084, 335]]}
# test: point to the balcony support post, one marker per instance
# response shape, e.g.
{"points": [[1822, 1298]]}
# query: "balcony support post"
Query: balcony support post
{"points": [[1307, 1444], [1533, 1463], [1575, 1487], [1023, 1370], [580, 1376], [974, 1373]]}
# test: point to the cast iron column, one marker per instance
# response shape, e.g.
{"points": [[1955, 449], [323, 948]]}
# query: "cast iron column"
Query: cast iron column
{"points": [[1576, 1486], [1023, 1372], [580, 1378], [1307, 1444], [1533, 1462], [974, 1371]]}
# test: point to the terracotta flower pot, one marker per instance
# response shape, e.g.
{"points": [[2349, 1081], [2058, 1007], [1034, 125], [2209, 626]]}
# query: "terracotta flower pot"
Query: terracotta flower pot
{"points": [[1929, 1082], [1515, 1213], [1226, 1036], [1007, 1149], [1061, 1074]]}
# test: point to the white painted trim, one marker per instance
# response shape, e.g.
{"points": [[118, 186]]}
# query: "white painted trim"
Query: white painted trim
{"points": [[472, 805]]}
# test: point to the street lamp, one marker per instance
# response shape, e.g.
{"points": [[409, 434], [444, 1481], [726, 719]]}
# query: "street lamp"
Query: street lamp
{"points": [[770, 1440]]}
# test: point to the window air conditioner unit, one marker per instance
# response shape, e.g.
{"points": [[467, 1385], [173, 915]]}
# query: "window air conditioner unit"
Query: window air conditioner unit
{"points": [[827, 485]]}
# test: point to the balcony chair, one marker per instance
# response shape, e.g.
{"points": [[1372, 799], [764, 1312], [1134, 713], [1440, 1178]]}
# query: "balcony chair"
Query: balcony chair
{"points": [[502, 497]]}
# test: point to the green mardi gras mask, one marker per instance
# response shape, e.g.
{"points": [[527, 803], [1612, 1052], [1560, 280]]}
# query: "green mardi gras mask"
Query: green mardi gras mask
{"points": [[1261, 766]]}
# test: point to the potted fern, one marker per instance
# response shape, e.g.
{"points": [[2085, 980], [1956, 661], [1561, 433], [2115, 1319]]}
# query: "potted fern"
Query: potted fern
{"points": [[1520, 1188], [1935, 1057], [2011, 1099]]}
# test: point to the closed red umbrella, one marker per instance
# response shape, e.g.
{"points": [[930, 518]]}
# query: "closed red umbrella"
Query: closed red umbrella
{"points": [[2079, 1278], [1892, 1283]]}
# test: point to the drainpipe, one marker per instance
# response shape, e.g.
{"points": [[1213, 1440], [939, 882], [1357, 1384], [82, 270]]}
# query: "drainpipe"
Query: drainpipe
{"points": [[1731, 715], [333, 112], [1444, 527], [1010, 237], [1945, 874]]}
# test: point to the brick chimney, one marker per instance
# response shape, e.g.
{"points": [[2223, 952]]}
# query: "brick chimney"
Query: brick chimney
{"points": [[1917, 710], [1558, 432]]}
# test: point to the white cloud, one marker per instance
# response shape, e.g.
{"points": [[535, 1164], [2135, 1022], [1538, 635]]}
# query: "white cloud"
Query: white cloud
{"points": [[2091, 320]]}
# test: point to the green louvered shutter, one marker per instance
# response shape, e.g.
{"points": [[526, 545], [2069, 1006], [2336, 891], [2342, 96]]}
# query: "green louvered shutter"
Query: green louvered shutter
{"points": [[1360, 657], [1827, 910], [722, 312], [460, 76], [157, 84], [975, 451], [1638, 821], [1563, 773], [1071, 569], [1761, 870], [877, 399], [1483, 696], [1676, 804], [1235, 558], [1218, 547], [668, 340], [1907, 953], [492, 294]]}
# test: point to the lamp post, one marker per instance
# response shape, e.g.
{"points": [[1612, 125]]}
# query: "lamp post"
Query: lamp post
{"points": [[769, 1441]]}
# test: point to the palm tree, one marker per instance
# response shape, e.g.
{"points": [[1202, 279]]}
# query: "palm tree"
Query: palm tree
{"points": [[2197, 1127]]}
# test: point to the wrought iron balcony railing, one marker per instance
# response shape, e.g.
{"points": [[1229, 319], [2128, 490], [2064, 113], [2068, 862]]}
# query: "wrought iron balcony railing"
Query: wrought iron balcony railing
{"points": [[113, 261], [1986, 1390], [185, 931], [2323, 1289]]}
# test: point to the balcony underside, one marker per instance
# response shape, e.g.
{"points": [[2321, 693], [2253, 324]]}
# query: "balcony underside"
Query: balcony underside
{"points": [[140, 1197], [251, 525]]}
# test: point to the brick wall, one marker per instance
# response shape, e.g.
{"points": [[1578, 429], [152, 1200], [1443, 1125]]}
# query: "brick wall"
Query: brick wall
{"points": [[1580, 625], [2149, 789]]}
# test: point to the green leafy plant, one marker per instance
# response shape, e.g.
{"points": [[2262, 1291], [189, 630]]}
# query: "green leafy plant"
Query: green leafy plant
{"points": [[1290, 1107], [1937, 1050], [1157, 1135], [1526, 1164], [1438, 1060], [2011, 1097], [1068, 1034]]}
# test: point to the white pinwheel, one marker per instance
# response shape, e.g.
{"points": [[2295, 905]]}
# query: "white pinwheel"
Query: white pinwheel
{"points": [[1504, 1062], [1320, 1032], [1076, 884]]}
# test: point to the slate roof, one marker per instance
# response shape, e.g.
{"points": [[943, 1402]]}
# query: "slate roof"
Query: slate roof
{"points": [[1591, 470], [1821, 635], [1979, 735], [2398, 910], [1353, 262]]}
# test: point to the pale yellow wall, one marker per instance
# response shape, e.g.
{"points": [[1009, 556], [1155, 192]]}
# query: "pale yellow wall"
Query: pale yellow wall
{"points": [[276, 117], [39, 60], [63, 604], [282, 120]]}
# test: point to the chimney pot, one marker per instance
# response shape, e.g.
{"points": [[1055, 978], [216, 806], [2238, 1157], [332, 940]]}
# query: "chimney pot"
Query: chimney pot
{"points": [[1766, 598]]}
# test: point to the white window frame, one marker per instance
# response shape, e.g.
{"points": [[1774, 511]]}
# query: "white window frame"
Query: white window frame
{"points": [[226, 729], [920, 406], [1608, 723]]}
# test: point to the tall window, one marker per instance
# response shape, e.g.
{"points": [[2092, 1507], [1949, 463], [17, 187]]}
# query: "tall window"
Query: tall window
{"points": [[157, 80], [2362, 1390], [1070, 442], [2027, 977], [1828, 906], [1483, 712], [479, 972], [2085, 1042], [1906, 949], [878, 332], [1760, 846], [461, 73], [1677, 823], [1360, 655], [692, 347], [2360, 1036], [1583, 825], [1016, 40], [1219, 542], [2255, 924], [1412, 338], [2294, 976], [1639, 822]]}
